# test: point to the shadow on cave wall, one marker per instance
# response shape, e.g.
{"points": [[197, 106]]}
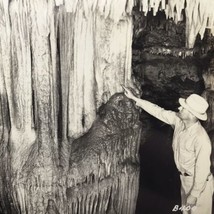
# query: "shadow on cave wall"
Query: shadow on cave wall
{"points": [[166, 71]]}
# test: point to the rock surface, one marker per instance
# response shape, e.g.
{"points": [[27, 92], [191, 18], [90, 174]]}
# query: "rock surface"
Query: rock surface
{"points": [[104, 163]]}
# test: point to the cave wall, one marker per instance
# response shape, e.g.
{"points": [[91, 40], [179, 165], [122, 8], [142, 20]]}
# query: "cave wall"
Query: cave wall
{"points": [[162, 62]]}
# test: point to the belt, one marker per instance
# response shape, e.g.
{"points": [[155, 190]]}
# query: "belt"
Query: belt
{"points": [[184, 174]]}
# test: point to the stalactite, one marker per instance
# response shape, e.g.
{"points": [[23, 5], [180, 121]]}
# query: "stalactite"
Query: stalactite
{"points": [[199, 13], [22, 133], [44, 74], [22, 91], [39, 170], [81, 91], [96, 65], [5, 54], [66, 63], [55, 73], [6, 176], [109, 63], [89, 109]]}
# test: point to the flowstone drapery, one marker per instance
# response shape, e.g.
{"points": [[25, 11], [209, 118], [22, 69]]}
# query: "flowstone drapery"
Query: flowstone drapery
{"points": [[103, 172]]}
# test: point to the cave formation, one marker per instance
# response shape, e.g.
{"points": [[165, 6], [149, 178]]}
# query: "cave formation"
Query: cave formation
{"points": [[70, 139]]}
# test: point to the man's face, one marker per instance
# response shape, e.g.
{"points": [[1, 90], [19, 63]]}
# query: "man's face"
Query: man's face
{"points": [[183, 113]]}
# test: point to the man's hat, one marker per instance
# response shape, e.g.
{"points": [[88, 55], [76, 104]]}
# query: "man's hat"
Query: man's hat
{"points": [[196, 104]]}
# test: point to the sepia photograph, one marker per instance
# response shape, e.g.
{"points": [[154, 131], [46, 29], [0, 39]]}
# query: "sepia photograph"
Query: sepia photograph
{"points": [[106, 106]]}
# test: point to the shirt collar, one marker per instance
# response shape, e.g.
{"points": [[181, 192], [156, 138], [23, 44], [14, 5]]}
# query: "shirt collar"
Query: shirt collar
{"points": [[192, 129]]}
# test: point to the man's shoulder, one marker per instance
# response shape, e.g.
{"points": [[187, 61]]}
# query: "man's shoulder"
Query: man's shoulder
{"points": [[201, 130], [202, 136]]}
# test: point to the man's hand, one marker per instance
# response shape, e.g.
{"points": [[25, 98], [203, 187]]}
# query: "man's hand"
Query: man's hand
{"points": [[191, 201], [128, 93]]}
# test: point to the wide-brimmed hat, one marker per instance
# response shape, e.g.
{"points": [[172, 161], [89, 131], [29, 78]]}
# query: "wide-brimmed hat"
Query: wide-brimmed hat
{"points": [[196, 104]]}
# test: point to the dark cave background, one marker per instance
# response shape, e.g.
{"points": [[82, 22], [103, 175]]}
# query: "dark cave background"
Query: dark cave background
{"points": [[166, 71]]}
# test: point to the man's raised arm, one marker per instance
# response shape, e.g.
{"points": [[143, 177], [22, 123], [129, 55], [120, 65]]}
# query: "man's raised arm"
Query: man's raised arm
{"points": [[166, 116]]}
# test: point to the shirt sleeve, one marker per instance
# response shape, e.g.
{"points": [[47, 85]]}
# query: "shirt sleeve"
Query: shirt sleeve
{"points": [[166, 116], [202, 166]]}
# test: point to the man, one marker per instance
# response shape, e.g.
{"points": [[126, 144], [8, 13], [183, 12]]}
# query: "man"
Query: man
{"points": [[192, 150]]}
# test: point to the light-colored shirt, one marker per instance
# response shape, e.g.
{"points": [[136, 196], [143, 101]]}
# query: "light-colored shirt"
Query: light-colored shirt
{"points": [[191, 146]]}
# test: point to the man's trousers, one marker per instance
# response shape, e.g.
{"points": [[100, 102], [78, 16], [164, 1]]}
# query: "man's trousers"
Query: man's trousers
{"points": [[204, 201]]}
